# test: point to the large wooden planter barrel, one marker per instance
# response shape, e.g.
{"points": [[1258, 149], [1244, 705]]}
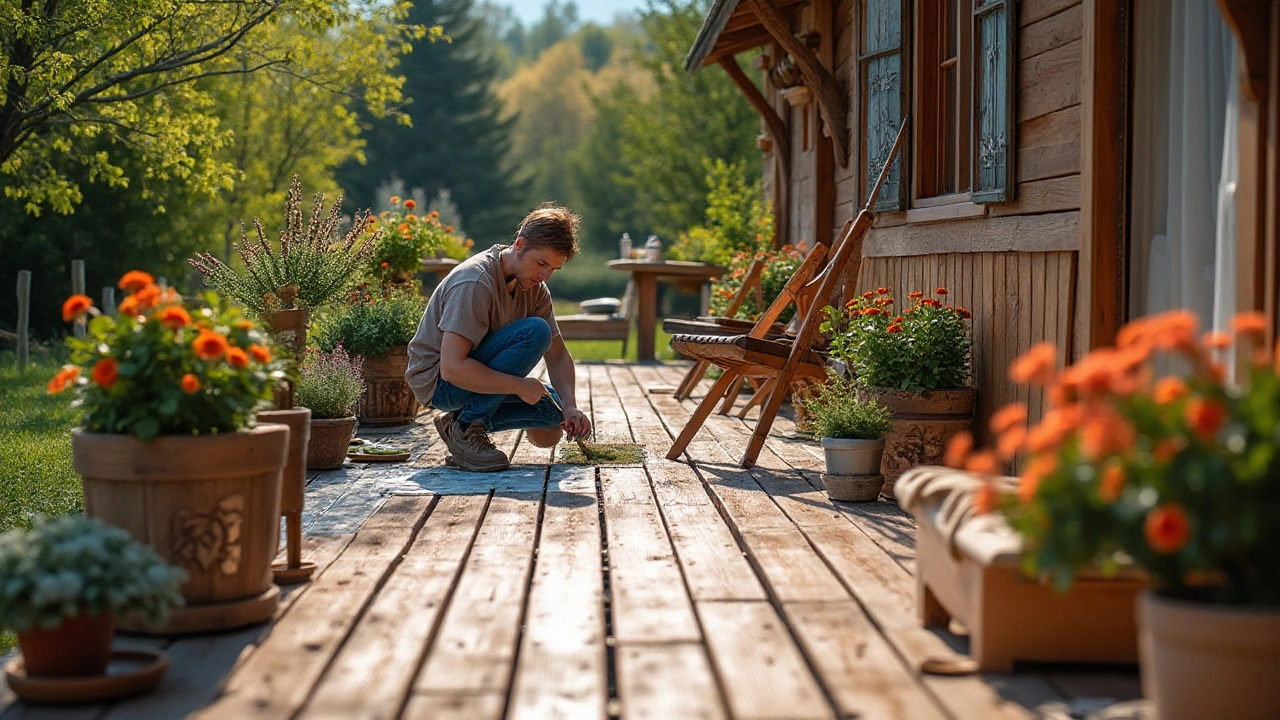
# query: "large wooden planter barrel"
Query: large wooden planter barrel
{"points": [[209, 504], [387, 398], [923, 423]]}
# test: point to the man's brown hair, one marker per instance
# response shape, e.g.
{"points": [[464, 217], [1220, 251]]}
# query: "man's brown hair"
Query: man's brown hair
{"points": [[551, 226]]}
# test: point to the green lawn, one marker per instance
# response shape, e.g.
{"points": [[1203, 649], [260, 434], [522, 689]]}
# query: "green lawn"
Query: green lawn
{"points": [[35, 449], [586, 350]]}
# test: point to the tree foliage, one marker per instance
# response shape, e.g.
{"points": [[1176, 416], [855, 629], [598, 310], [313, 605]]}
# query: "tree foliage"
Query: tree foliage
{"points": [[91, 81]]}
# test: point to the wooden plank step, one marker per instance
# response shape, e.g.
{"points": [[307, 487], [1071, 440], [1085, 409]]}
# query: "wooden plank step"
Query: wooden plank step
{"points": [[610, 420], [276, 678], [561, 671], [763, 673], [474, 650], [455, 706], [663, 682], [374, 670], [649, 600]]}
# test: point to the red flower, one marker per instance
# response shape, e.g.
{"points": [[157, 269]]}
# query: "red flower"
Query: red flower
{"points": [[190, 384], [1112, 483], [410, 204], [75, 306], [915, 295], [106, 371], [882, 291], [940, 291], [64, 377], [1167, 529], [1205, 417]]}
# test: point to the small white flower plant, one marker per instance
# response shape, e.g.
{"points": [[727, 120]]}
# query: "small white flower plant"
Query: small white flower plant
{"points": [[67, 566]]}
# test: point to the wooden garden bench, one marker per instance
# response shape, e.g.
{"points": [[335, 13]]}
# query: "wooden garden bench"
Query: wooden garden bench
{"points": [[601, 326]]}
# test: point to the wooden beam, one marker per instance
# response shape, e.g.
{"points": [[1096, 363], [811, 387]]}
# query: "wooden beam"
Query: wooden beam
{"points": [[1100, 283], [1251, 22], [738, 43], [829, 91], [773, 121]]}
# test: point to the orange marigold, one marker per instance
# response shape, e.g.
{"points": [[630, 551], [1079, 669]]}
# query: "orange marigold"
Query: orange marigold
{"points": [[1217, 340], [175, 317], [260, 354], [915, 295], [1167, 528], [868, 295], [963, 313], [190, 384], [106, 371], [1250, 323], [882, 291], [135, 280], [1205, 416], [940, 291], [129, 306], [147, 297], [64, 378], [1011, 441], [1105, 433], [986, 498], [209, 345], [395, 199], [1112, 483], [237, 357], [983, 462], [75, 306], [1169, 389], [1033, 474], [410, 204], [1036, 366], [1164, 450], [1008, 416], [894, 328], [958, 449]]}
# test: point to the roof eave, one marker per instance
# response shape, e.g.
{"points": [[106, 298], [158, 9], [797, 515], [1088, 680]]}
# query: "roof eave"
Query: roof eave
{"points": [[715, 23]]}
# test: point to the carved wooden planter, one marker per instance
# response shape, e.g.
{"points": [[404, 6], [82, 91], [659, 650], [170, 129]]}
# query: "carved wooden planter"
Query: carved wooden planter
{"points": [[387, 399], [922, 425], [209, 504]]}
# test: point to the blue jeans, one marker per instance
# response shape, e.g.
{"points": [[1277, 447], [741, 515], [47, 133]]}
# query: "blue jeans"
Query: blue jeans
{"points": [[513, 350]]}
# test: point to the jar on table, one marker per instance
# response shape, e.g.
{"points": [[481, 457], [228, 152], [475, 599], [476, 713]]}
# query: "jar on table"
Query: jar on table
{"points": [[653, 249], [624, 246]]}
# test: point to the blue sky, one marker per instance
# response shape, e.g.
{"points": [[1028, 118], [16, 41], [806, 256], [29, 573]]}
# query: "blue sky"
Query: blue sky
{"points": [[600, 11]]}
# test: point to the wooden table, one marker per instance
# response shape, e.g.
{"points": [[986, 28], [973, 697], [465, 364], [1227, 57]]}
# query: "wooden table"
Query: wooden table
{"points": [[440, 266], [645, 274]]}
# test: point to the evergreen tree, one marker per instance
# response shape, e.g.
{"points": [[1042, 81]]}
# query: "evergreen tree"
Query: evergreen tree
{"points": [[458, 140]]}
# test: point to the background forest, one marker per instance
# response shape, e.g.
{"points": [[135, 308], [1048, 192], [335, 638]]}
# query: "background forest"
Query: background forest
{"points": [[455, 103]]}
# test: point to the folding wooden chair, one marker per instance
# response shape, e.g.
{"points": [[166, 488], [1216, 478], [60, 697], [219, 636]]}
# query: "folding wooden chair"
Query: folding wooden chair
{"points": [[778, 361], [727, 325]]}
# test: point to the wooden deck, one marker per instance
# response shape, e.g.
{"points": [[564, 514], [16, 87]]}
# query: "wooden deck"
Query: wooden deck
{"points": [[659, 590]]}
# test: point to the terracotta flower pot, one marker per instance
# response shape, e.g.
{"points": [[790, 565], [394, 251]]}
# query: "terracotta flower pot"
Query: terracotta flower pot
{"points": [[209, 504], [329, 439], [79, 647], [1205, 660], [387, 398], [923, 423]]}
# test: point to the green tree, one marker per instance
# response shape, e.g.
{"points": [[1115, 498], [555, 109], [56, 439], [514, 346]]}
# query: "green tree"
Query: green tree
{"points": [[559, 21], [137, 74], [597, 46], [458, 140], [599, 176], [687, 120]]}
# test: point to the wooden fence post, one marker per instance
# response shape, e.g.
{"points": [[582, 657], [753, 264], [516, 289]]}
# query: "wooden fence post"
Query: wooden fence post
{"points": [[24, 317], [77, 288], [109, 300]]}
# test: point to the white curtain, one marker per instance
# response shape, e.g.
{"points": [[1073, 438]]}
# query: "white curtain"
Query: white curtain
{"points": [[1182, 193]]}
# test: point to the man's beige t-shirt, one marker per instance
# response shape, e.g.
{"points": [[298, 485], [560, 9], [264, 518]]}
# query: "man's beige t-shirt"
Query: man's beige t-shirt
{"points": [[471, 301]]}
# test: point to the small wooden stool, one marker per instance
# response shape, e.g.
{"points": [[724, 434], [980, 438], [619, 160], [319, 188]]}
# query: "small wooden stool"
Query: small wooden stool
{"points": [[977, 579]]}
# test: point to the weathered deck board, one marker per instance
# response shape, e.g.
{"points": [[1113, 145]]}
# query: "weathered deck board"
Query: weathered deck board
{"points": [[661, 682]]}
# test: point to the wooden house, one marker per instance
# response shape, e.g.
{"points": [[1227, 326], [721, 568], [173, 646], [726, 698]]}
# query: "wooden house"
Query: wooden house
{"points": [[1071, 164]]}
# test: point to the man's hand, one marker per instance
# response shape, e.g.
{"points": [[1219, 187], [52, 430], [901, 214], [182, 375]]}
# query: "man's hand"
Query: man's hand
{"points": [[575, 423], [531, 390]]}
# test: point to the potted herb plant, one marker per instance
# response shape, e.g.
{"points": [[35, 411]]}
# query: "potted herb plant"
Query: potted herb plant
{"points": [[330, 384], [63, 584], [916, 362], [1178, 475], [312, 264], [852, 429], [167, 448], [405, 238], [377, 326]]}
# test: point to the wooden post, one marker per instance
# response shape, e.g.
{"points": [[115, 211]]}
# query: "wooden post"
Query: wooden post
{"points": [[24, 317], [109, 300], [77, 288]]}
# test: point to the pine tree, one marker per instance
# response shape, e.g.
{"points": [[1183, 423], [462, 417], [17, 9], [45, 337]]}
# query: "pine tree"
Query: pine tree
{"points": [[459, 140]]}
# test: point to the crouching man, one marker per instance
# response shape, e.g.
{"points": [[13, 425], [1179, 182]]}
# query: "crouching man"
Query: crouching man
{"points": [[485, 328]]}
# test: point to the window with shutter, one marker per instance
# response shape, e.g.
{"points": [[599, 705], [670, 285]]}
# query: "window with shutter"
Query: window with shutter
{"points": [[941, 111], [883, 90], [994, 129]]}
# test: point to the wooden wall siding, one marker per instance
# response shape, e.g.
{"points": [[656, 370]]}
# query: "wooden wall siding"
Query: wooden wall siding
{"points": [[1017, 299], [802, 173]]}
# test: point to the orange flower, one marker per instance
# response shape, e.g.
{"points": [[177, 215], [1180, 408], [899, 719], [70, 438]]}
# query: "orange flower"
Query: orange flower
{"points": [[410, 204], [1008, 416], [868, 295], [75, 306], [237, 357], [1169, 389], [915, 295], [1112, 483], [1205, 417], [1011, 441], [1035, 472], [882, 291], [147, 297], [983, 462], [1167, 529], [1036, 366], [940, 291], [1166, 449], [385, 264], [1105, 433], [931, 303], [209, 345], [395, 199], [1250, 323], [260, 354], [129, 306], [963, 313], [64, 377], [175, 317], [448, 228], [958, 449], [135, 280], [106, 371], [190, 384], [894, 328], [1217, 340], [986, 499]]}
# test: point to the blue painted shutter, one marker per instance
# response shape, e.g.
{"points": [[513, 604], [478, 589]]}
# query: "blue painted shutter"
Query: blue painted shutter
{"points": [[994, 129], [884, 97]]}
